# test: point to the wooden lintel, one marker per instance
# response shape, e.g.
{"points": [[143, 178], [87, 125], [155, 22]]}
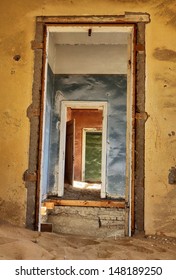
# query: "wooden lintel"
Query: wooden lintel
{"points": [[126, 18], [88, 203], [36, 45]]}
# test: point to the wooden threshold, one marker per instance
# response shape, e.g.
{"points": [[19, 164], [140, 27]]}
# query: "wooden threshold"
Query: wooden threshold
{"points": [[84, 203]]}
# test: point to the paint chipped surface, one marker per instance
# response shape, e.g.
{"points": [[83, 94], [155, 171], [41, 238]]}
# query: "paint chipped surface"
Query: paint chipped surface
{"points": [[172, 176], [165, 54], [166, 9], [165, 224]]}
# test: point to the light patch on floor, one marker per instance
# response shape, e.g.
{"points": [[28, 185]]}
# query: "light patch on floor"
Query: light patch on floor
{"points": [[86, 185]]}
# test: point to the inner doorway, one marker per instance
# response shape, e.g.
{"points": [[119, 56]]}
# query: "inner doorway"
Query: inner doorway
{"points": [[83, 154], [79, 121]]}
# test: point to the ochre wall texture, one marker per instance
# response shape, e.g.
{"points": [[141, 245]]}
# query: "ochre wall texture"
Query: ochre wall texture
{"points": [[17, 30]]}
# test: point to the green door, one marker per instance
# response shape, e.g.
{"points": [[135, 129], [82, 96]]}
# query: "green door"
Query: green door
{"points": [[93, 151]]}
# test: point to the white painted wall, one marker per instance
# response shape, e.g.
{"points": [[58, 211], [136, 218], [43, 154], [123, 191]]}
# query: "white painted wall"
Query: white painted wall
{"points": [[72, 51], [51, 51], [99, 35], [90, 59]]}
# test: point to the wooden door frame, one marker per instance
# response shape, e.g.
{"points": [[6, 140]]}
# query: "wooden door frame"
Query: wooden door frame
{"points": [[72, 121], [32, 176], [81, 105]]}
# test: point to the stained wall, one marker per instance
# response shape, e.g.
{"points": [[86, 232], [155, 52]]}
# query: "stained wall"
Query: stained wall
{"points": [[16, 77]]}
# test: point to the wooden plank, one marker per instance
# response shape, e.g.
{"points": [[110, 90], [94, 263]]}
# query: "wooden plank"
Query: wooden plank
{"points": [[38, 190], [49, 205], [69, 151], [47, 227], [36, 45], [89, 203], [129, 116], [132, 202]]}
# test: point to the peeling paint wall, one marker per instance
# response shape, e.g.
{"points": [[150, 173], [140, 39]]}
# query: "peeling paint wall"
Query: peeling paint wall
{"points": [[16, 77]]}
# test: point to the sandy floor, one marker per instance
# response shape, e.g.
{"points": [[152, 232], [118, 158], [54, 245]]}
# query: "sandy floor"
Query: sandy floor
{"points": [[19, 243]]}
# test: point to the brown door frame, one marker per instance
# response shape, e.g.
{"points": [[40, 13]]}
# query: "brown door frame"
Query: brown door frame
{"points": [[69, 156], [35, 110]]}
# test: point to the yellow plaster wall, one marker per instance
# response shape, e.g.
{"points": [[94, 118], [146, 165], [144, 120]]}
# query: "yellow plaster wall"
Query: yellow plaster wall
{"points": [[17, 29]]}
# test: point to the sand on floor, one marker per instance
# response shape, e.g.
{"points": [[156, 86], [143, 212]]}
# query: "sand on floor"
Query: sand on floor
{"points": [[22, 244]]}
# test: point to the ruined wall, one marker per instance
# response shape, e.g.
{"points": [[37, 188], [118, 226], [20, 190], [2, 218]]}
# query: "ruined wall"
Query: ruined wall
{"points": [[88, 221], [16, 75], [160, 156]]}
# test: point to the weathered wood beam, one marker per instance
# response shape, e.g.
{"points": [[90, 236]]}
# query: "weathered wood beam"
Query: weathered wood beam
{"points": [[87, 203]]}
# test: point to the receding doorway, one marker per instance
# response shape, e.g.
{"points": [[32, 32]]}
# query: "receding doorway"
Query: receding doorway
{"points": [[82, 122], [88, 73], [94, 59]]}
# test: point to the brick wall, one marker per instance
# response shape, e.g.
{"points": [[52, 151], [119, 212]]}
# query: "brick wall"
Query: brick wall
{"points": [[89, 221]]}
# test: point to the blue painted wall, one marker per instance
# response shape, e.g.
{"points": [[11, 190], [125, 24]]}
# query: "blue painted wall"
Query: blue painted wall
{"points": [[47, 132], [109, 88]]}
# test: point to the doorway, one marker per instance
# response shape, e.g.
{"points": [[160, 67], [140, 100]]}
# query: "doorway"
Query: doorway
{"points": [[40, 186], [95, 68], [48, 185], [75, 117], [88, 68]]}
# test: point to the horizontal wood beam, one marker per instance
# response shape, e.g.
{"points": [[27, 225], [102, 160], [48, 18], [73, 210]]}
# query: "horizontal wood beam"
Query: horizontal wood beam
{"points": [[36, 45], [84, 203]]}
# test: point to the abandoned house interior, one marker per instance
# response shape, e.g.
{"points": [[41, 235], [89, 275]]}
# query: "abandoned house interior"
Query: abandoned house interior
{"points": [[86, 152], [92, 119]]}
